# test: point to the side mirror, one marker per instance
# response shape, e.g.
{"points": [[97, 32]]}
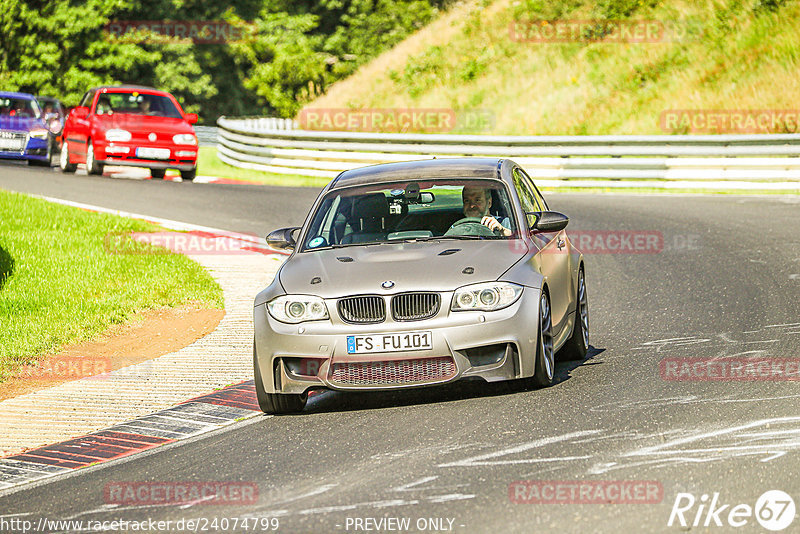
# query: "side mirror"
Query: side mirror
{"points": [[549, 221], [80, 112], [191, 118], [282, 239]]}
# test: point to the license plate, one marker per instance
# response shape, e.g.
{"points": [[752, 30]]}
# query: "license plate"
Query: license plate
{"points": [[10, 144], [389, 342], [152, 153]]}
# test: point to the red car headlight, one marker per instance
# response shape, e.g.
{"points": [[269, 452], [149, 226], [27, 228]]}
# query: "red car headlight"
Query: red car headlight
{"points": [[184, 139]]}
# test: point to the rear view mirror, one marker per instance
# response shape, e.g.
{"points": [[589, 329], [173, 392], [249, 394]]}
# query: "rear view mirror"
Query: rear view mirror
{"points": [[548, 221], [282, 239], [426, 197]]}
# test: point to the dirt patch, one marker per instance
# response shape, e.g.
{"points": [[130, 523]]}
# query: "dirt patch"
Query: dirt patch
{"points": [[148, 335]]}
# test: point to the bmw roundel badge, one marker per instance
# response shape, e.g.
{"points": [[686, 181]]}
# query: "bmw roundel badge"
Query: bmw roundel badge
{"points": [[388, 284]]}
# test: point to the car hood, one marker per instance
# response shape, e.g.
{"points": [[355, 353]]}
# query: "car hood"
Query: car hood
{"points": [[145, 123], [426, 266], [20, 124]]}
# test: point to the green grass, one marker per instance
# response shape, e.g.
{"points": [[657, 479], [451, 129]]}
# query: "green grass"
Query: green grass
{"points": [[59, 285], [713, 55], [208, 164]]}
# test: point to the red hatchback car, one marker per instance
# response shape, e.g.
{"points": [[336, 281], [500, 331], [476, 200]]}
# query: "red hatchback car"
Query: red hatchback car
{"points": [[130, 125]]}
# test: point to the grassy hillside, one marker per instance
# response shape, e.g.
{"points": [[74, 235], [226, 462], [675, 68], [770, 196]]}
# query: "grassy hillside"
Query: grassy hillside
{"points": [[717, 55]]}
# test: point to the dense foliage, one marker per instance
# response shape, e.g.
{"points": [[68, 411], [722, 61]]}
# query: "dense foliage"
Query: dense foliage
{"points": [[283, 53]]}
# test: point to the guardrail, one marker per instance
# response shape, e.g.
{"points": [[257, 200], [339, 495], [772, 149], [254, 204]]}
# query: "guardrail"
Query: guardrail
{"points": [[206, 135], [277, 146]]}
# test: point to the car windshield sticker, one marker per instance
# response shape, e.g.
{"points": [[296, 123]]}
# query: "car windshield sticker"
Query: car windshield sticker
{"points": [[316, 242]]}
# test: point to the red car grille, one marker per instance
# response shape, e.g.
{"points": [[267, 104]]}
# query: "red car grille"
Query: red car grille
{"points": [[394, 371]]}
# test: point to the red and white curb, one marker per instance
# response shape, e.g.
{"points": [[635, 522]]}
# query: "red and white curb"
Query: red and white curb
{"points": [[191, 418], [137, 173], [144, 405]]}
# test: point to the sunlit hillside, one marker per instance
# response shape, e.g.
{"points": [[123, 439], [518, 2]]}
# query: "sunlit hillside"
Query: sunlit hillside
{"points": [[489, 57]]}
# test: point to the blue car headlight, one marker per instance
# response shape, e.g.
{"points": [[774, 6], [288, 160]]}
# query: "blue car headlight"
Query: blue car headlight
{"points": [[488, 296], [39, 133], [295, 309]]}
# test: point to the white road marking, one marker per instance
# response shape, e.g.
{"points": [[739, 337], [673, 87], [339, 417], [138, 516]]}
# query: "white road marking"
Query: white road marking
{"points": [[347, 507], [450, 497], [411, 486], [317, 491], [487, 459]]}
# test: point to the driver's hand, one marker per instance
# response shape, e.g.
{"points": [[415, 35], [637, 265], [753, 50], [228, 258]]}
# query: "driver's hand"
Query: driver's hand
{"points": [[492, 224]]}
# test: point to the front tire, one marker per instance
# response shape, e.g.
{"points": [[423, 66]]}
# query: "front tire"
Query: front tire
{"points": [[276, 403], [63, 160], [577, 345], [189, 176], [158, 173], [92, 165], [545, 358]]}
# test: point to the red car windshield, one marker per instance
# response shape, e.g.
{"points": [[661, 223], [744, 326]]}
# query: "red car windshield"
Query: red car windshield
{"points": [[138, 104]]}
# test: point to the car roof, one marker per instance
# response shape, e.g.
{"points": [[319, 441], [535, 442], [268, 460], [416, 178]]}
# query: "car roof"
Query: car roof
{"points": [[484, 168], [130, 88], [12, 94]]}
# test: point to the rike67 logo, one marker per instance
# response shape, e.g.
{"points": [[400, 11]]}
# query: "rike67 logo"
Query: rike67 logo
{"points": [[774, 510]]}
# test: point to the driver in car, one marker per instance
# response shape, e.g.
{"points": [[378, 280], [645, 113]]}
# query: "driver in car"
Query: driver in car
{"points": [[477, 202]]}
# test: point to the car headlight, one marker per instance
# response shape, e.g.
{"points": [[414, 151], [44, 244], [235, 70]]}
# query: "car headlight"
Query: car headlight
{"points": [[118, 135], [55, 126], [184, 139], [485, 297], [297, 308], [39, 133]]}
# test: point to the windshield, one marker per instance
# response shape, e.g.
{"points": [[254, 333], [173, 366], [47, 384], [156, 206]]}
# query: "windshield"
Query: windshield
{"points": [[412, 211], [136, 103], [19, 107]]}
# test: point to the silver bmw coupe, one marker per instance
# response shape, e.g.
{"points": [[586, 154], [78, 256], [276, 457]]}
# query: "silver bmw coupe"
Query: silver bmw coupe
{"points": [[416, 274]]}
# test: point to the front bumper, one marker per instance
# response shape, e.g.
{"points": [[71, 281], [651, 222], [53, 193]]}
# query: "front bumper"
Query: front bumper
{"points": [[181, 157], [34, 148], [493, 346]]}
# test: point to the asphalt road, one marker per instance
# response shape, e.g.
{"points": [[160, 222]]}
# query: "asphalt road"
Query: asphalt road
{"points": [[723, 284]]}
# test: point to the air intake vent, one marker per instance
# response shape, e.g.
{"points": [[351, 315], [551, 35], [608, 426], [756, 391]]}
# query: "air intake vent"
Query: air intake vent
{"points": [[362, 310], [415, 306], [394, 372]]}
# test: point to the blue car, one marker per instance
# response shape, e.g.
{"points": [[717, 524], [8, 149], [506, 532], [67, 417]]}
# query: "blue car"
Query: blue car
{"points": [[23, 129]]}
